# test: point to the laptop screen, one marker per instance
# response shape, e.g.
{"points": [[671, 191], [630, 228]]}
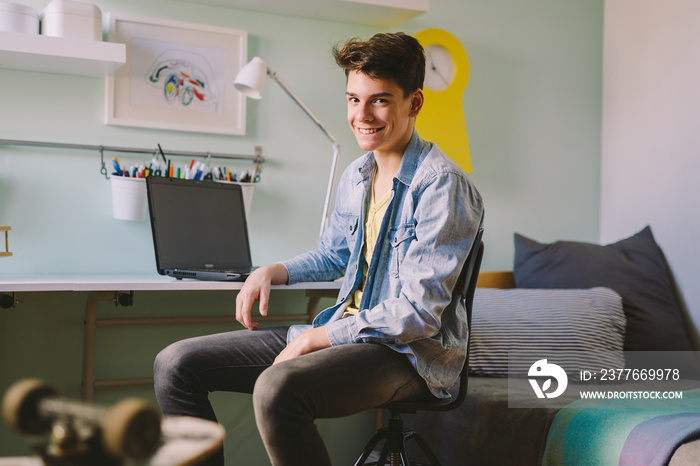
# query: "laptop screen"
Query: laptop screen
{"points": [[198, 224]]}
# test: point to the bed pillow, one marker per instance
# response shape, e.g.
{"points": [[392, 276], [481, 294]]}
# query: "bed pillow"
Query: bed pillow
{"points": [[635, 267], [576, 329]]}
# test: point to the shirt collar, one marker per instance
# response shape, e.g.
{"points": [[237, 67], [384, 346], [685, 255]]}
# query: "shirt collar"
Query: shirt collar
{"points": [[415, 152]]}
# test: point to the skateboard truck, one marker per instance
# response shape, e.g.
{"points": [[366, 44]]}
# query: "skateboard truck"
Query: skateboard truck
{"points": [[80, 434]]}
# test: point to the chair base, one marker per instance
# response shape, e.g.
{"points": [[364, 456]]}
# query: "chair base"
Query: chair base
{"points": [[394, 450]]}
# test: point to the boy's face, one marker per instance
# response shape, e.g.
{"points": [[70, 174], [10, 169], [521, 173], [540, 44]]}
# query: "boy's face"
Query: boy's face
{"points": [[380, 116]]}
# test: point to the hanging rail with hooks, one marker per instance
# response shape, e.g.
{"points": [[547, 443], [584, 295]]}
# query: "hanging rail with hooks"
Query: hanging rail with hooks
{"points": [[257, 158]]}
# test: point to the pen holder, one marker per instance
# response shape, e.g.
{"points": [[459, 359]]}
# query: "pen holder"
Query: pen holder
{"points": [[247, 189], [129, 200]]}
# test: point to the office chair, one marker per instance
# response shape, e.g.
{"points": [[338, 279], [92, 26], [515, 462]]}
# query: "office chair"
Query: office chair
{"points": [[394, 434]]}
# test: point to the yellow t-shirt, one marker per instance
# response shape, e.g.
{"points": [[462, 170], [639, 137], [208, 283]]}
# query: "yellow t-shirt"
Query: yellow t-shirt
{"points": [[373, 223]]}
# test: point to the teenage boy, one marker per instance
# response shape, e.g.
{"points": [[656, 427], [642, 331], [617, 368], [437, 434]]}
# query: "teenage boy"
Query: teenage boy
{"points": [[404, 221]]}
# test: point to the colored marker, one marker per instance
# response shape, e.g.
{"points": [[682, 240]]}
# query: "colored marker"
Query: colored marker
{"points": [[117, 168]]}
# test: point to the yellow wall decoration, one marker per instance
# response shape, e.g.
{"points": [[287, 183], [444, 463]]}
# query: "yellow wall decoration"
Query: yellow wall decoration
{"points": [[447, 73]]}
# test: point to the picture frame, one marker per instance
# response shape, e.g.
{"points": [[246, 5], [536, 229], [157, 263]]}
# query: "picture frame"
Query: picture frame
{"points": [[178, 76]]}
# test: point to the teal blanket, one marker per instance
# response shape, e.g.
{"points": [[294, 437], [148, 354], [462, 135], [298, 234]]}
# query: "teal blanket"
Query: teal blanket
{"points": [[619, 431]]}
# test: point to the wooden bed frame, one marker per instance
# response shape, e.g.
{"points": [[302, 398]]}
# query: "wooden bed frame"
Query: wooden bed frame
{"points": [[499, 279]]}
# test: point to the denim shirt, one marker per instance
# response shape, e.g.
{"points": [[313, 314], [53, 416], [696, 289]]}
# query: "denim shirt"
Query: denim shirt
{"points": [[408, 302]]}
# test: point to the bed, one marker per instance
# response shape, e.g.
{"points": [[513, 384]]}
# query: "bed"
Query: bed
{"points": [[590, 306]]}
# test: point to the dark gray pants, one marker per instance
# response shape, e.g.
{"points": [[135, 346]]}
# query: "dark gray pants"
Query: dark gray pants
{"points": [[287, 397]]}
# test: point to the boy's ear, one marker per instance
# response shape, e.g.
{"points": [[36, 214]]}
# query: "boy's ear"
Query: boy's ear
{"points": [[416, 102]]}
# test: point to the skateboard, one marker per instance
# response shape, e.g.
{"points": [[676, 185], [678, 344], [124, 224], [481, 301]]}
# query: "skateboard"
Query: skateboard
{"points": [[130, 432], [187, 441]]}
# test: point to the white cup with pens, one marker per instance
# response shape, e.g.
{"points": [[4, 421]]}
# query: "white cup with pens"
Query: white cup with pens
{"points": [[245, 180], [129, 200]]}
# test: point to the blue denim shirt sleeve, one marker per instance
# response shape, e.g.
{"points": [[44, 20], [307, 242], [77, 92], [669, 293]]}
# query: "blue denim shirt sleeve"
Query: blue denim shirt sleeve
{"points": [[330, 260], [325, 263]]}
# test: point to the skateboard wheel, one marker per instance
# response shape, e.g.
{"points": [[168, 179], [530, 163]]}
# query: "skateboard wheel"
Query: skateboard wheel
{"points": [[131, 429], [20, 406]]}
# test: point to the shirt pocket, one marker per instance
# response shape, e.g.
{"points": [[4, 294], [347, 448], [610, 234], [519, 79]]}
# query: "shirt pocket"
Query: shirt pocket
{"points": [[350, 223], [400, 239]]}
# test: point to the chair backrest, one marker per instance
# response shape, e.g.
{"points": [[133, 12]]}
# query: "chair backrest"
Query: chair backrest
{"points": [[473, 267], [467, 284], [471, 275]]}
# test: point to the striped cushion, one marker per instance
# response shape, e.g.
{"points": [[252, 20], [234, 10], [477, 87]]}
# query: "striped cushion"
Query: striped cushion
{"points": [[576, 329]]}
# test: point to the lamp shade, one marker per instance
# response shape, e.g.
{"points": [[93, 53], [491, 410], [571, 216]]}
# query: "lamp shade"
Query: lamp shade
{"points": [[252, 78]]}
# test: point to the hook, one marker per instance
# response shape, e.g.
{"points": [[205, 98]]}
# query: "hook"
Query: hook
{"points": [[259, 159], [103, 170]]}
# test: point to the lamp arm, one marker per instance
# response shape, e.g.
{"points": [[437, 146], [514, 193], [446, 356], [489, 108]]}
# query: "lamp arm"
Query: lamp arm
{"points": [[329, 191], [334, 141], [291, 94]]}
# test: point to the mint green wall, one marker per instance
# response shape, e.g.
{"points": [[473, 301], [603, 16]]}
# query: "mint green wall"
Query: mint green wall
{"points": [[532, 108]]}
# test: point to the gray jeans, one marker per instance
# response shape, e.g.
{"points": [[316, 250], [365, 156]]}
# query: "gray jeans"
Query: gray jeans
{"points": [[288, 397]]}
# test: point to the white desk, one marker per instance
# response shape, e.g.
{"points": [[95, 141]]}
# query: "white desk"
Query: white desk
{"points": [[119, 289], [131, 282]]}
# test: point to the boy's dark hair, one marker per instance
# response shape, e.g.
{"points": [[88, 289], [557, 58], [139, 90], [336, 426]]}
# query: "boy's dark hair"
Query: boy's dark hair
{"points": [[395, 56]]}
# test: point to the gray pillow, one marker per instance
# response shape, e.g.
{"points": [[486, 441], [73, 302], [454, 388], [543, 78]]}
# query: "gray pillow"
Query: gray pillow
{"points": [[575, 329], [635, 267]]}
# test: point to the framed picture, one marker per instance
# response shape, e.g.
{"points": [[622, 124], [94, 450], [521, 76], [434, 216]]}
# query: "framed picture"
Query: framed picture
{"points": [[177, 76]]}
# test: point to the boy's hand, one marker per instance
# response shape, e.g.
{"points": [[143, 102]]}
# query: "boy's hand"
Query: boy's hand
{"points": [[307, 342], [257, 288]]}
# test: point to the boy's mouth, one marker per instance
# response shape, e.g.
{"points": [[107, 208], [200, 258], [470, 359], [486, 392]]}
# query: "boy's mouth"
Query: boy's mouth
{"points": [[368, 131]]}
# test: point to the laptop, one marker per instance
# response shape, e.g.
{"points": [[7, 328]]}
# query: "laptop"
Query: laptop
{"points": [[199, 229]]}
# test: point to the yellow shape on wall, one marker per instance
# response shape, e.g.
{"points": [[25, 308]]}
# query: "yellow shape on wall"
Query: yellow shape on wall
{"points": [[446, 75]]}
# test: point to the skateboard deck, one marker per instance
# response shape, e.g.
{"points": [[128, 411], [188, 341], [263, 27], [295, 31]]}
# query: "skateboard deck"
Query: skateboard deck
{"points": [[186, 441], [130, 432]]}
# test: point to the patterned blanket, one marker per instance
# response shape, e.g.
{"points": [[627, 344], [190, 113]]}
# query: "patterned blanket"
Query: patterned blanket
{"points": [[622, 431]]}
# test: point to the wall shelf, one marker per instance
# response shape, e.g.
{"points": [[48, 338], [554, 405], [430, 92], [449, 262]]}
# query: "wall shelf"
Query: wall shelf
{"points": [[34, 52], [382, 13]]}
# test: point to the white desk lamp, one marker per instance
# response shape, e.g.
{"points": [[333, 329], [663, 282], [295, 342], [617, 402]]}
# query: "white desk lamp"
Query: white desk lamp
{"points": [[251, 82]]}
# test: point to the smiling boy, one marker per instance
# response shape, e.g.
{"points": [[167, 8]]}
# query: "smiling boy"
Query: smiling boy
{"points": [[404, 221]]}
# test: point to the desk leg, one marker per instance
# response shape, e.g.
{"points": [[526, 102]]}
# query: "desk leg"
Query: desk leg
{"points": [[314, 298], [90, 323], [312, 308]]}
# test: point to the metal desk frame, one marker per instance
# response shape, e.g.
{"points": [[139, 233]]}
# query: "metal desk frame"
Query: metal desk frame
{"points": [[119, 289]]}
